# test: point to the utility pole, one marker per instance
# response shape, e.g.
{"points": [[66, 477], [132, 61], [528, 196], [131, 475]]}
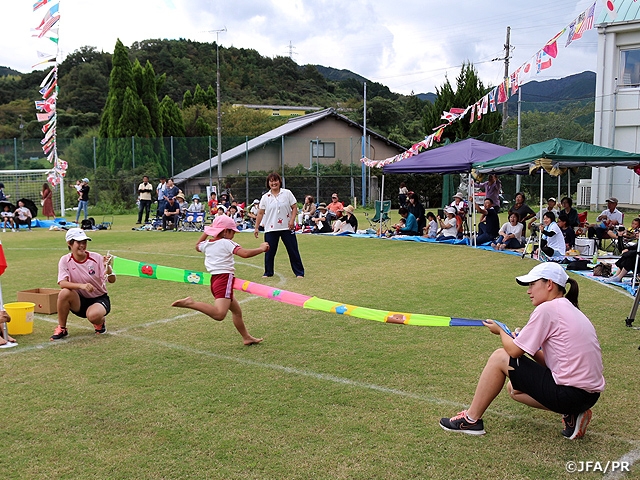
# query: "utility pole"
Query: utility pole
{"points": [[218, 105], [219, 115], [507, 51]]}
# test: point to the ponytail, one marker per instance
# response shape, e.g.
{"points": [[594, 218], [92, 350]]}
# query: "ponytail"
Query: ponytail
{"points": [[572, 295]]}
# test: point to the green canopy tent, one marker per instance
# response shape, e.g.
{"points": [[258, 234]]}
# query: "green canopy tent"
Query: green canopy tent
{"points": [[561, 153], [555, 156]]}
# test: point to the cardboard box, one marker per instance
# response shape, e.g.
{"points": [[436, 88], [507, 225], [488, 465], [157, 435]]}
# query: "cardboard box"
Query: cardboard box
{"points": [[46, 299]]}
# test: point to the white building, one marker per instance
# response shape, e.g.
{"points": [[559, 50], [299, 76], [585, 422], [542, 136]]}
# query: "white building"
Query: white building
{"points": [[617, 103]]}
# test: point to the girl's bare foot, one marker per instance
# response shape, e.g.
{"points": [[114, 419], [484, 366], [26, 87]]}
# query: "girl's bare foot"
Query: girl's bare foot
{"points": [[251, 341], [183, 302]]}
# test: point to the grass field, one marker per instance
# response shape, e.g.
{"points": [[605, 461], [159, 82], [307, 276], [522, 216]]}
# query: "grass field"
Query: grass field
{"points": [[170, 394]]}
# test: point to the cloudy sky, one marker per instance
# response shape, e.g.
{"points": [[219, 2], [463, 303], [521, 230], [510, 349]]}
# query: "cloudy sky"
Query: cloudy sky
{"points": [[407, 45]]}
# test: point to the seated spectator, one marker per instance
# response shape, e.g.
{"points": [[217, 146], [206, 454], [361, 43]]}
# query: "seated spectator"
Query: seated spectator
{"points": [[489, 226], [196, 206], [171, 214], [308, 210], [431, 230], [523, 210], [415, 207], [410, 226], [182, 203], [626, 263], [221, 210], [510, 234], [534, 224], [7, 218], [253, 212], [607, 221], [322, 219], [459, 204], [448, 225], [568, 232], [629, 235], [213, 204], [572, 213], [235, 215], [336, 207], [348, 222], [224, 200], [22, 216], [552, 243]]}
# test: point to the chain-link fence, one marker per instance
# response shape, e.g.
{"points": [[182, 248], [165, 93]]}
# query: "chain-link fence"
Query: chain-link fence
{"points": [[116, 166]]}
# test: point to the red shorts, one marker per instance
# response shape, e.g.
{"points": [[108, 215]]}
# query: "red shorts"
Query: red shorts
{"points": [[222, 285]]}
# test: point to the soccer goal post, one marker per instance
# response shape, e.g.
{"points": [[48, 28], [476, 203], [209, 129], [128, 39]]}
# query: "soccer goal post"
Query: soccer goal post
{"points": [[28, 184]]}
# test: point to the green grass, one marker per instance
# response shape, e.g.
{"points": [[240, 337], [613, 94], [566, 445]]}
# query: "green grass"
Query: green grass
{"points": [[173, 394]]}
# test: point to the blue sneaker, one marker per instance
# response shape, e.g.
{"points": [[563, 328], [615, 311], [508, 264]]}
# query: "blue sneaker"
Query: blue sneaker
{"points": [[460, 423]]}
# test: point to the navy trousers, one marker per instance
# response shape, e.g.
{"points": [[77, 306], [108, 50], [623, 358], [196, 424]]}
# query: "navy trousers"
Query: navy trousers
{"points": [[291, 244]]}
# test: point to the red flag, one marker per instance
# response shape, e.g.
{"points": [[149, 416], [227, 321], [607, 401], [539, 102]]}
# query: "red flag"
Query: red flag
{"points": [[3, 261]]}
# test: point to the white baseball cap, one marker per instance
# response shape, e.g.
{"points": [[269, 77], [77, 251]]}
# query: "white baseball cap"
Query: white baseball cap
{"points": [[76, 234], [547, 270]]}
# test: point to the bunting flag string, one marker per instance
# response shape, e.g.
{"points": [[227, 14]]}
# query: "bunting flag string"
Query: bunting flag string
{"points": [[48, 89], [542, 60]]}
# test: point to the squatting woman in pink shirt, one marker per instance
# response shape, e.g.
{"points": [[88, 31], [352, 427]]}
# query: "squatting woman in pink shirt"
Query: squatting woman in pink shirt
{"points": [[563, 372]]}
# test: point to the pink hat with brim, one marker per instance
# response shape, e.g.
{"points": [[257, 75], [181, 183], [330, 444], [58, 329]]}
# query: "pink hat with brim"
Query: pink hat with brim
{"points": [[221, 224]]}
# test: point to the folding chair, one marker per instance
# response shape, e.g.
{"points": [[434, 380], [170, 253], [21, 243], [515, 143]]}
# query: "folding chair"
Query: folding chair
{"points": [[192, 222], [381, 218]]}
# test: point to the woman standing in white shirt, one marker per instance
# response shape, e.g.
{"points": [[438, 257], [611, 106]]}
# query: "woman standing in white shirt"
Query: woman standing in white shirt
{"points": [[279, 209]]}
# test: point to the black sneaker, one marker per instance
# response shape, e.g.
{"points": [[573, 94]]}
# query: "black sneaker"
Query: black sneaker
{"points": [[460, 423], [575, 426], [59, 333], [101, 329]]}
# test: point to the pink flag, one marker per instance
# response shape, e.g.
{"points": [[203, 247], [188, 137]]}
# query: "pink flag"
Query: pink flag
{"points": [[45, 117]]}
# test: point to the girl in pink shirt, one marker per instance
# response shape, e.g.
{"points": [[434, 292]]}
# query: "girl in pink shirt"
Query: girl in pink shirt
{"points": [[563, 372]]}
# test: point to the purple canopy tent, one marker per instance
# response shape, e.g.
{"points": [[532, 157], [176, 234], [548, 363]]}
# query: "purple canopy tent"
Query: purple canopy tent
{"points": [[453, 158]]}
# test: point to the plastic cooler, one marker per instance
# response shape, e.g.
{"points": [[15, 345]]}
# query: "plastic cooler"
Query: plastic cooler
{"points": [[21, 314]]}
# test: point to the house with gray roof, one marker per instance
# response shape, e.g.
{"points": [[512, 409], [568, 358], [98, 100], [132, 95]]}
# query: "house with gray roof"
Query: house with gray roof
{"points": [[324, 137]]}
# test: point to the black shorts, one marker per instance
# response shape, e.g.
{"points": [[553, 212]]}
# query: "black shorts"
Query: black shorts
{"points": [[85, 303], [529, 377]]}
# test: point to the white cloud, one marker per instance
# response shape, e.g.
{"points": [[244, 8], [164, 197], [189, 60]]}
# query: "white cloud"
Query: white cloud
{"points": [[405, 44]]}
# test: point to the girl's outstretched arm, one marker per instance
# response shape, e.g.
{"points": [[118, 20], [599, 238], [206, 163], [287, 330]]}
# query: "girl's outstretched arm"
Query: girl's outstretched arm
{"points": [[252, 252]]}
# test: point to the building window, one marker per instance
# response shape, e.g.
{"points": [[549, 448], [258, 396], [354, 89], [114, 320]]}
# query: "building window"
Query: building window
{"points": [[630, 68], [323, 150]]}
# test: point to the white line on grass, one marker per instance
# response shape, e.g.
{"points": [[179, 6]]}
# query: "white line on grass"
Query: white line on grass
{"points": [[631, 457]]}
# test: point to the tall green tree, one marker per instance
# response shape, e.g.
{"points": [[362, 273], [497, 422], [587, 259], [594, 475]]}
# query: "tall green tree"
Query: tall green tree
{"points": [[200, 96], [469, 89], [120, 79], [187, 99]]}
